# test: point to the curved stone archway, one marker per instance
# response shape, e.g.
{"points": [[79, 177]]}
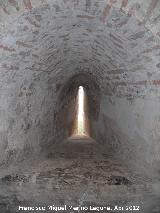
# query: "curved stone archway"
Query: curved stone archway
{"points": [[113, 46]]}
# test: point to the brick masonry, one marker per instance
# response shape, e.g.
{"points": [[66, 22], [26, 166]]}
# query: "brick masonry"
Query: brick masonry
{"points": [[44, 43]]}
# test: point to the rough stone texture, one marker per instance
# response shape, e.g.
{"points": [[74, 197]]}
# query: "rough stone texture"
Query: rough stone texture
{"points": [[76, 174], [45, 43]]}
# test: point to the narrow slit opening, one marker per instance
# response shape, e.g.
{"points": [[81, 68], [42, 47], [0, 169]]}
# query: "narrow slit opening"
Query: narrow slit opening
{"points": [[81, 126]]}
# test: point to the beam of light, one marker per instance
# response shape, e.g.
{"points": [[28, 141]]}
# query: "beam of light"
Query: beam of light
{"points": [[81, 114], [80, 126]]}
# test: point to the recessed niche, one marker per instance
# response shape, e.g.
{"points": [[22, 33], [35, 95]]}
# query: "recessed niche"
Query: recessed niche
{"points": [[78, 108]]}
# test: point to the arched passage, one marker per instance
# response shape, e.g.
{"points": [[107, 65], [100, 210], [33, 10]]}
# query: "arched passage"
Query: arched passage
{"points": [[67, 105], [112, 47]]}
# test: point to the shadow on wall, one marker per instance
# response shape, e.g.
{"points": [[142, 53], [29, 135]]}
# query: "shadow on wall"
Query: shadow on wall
{"points": [[65, 108]]}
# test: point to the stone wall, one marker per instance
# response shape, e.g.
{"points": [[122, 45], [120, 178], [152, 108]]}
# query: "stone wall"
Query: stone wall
{"points": [[44, 43]]}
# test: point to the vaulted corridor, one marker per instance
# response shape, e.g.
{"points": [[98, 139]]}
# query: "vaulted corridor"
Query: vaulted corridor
{"points": [[53, 150]]}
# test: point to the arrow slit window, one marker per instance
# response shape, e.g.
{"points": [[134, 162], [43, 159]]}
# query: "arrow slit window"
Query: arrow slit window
{"points": [[81, 127]]}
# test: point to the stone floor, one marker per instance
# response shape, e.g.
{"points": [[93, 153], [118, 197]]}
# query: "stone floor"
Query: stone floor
{"points": [[76, 174]]}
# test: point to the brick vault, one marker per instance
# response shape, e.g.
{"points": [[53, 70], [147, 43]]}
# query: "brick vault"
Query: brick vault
{"points": [[48, 47]]}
